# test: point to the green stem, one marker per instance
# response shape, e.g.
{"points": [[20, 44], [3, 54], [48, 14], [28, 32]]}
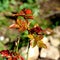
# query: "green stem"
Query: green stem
{"points": [[28, 50], [17, 44]]}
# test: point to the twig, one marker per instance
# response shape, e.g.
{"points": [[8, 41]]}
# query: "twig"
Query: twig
{"points": [[51, 14]]}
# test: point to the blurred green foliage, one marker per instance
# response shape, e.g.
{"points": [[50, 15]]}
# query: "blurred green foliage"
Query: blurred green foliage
{"points": [[2, 45], [5, 5], [16, 6], [4, 23]]}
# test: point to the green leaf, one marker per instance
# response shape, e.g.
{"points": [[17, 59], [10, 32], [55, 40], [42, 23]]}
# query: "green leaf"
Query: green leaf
{"points": [[33, 43], [41, 44]]}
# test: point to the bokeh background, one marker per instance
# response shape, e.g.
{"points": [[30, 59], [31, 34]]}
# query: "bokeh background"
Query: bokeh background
{"points": [[46, 14]]}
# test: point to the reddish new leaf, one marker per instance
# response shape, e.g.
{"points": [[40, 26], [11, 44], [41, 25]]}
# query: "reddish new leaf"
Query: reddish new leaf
{"points": [[36, 29], [14, 26], [48, 31], [20, 24], [27, 11]]}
